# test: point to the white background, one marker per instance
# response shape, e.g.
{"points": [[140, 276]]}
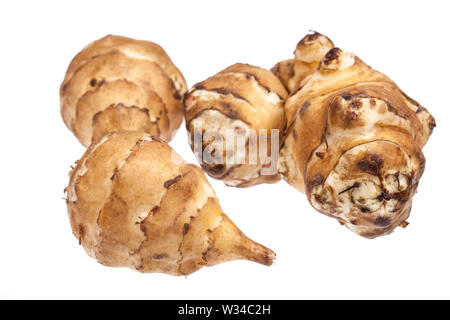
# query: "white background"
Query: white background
{"points": [[316, 257]]}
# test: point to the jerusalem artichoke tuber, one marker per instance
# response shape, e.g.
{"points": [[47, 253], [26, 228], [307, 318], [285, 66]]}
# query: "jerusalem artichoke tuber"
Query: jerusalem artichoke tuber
{"points": [[118, 83], [248, 102], [353, 144], [133, 202]]}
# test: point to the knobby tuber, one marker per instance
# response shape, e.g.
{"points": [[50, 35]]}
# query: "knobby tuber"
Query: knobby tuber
{"points": [[354, 143], [247, 102]]}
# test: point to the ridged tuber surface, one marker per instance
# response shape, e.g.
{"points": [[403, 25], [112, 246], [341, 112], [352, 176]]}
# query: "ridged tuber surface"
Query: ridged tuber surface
{"points": [[133, 202], [118, 83], [354, 144], [240, 99]]}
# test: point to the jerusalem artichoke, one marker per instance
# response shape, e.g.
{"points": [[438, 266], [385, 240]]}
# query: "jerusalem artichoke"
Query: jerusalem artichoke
{"points": [[353, 144], [133, 202], [243, 103], [118, 83]]}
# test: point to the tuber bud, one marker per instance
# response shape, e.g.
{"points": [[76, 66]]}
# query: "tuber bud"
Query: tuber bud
{"points": [[308, 54]]}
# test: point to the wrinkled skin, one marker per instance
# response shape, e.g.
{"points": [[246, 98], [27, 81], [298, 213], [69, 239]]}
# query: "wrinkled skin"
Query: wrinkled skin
{"points": [[354, 144], [241, 98], [133, 202], [118, 83]]}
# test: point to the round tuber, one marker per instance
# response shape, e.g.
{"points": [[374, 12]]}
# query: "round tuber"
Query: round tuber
{"points": [[241, 103], [118, 83]]}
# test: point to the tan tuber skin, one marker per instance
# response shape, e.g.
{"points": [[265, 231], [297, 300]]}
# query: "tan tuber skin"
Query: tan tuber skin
{"points": [[118, 83], [354, 144], [133, 202], [240, 98], [309, 52]]}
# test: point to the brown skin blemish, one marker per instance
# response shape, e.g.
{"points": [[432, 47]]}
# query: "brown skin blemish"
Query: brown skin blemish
{"points": [[349, 117], [346, 97], [249, 75], [432, 124], [308, 38], [294, 133], [229, 112], [170, 182], [373, 102], [154, 209], [80, 233], [116, 171], [93, 82], [404, 224], [291, 69], [364, 209], [324, 139], [356, 103], [395, 111], [317, 180], [276, 70], [332, 55], [312, 37], [319, 199], [400, 196], [383, 196], [398, 180], [215, 170], [420, 109], [177, 95], [199, 87], [186, 228], [371, 164], [226, 91], [304, 107], [320, 155], [382, 221], [159, 256]]}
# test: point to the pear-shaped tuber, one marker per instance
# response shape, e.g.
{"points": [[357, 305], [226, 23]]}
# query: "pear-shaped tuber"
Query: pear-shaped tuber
{"points": [[133, 202]]}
